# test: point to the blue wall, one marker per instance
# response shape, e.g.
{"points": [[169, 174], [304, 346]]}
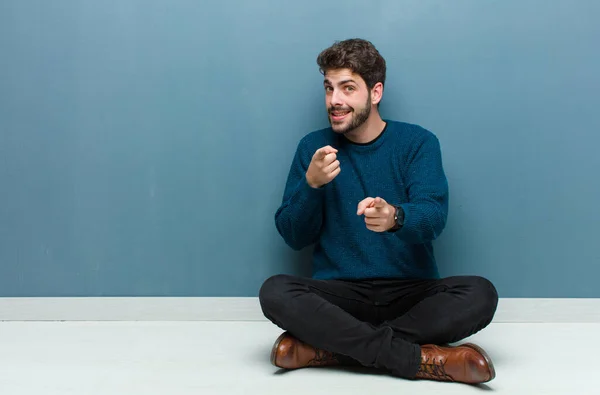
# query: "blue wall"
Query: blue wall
{"points": [[144, 145]]}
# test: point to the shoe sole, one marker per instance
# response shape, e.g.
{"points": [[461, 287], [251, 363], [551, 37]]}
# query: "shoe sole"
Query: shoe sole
{"points": [[275, 347], [486, 357]]}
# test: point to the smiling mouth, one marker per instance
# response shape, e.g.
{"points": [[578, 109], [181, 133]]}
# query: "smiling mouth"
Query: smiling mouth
{"points": [[339, 115]]}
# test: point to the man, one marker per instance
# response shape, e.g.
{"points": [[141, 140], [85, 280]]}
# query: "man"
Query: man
{"points": [[372, 195]]}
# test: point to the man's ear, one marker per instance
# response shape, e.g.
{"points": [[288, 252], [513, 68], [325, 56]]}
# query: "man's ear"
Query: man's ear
{"points": [[377, 93]]}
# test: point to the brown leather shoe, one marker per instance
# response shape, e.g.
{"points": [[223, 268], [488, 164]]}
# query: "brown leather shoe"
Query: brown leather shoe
{"points": [[290, 353], [466, 363]]}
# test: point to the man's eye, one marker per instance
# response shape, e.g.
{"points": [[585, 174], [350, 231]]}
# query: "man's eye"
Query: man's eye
{"points": [[350, 88], [328, 88]]}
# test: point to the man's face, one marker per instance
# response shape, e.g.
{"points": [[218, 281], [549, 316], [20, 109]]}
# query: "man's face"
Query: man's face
{"points": [[347, 99]]}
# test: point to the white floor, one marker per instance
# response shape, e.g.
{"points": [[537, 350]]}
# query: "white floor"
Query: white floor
{"points": [[233, 358]]}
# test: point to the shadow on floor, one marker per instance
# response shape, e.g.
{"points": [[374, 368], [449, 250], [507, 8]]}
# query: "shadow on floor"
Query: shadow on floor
{"points": [[369, 372]]}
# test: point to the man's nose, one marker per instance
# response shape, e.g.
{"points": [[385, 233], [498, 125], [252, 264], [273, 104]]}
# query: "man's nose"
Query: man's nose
{"points": [[336, 98]]}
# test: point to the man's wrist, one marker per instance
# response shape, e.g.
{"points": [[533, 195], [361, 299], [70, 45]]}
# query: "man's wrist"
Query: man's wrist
{"points": [[397, 218], [310, 183]]}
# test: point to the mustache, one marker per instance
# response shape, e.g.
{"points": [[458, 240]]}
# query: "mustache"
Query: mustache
{"points": [[332, 109]]}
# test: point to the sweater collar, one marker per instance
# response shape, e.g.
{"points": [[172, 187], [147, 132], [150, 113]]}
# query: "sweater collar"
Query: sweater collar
{"points": [[373, 144]]}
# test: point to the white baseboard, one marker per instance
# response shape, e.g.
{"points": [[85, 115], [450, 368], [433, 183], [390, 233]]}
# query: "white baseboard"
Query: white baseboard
{"points": [[515, 310]]}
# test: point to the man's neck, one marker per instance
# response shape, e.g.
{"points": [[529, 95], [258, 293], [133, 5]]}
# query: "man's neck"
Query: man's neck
{"points": [[368, 131]]}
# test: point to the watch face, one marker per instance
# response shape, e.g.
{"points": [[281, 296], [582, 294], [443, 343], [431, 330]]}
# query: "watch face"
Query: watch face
{"points": [[399, 218]]}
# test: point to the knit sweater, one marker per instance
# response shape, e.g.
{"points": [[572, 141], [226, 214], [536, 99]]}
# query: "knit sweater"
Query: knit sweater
{"points": [[403, 165]]}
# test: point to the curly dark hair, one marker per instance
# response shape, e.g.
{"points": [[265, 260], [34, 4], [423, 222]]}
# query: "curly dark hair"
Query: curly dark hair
{"points": [[355, 54]]}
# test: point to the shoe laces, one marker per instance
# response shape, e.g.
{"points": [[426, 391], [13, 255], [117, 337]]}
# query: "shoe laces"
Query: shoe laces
{"points": [[322, 357], [435, 369]]}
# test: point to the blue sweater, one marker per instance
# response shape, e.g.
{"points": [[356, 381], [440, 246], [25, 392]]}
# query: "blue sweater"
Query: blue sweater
{"points": [[404, 167]]}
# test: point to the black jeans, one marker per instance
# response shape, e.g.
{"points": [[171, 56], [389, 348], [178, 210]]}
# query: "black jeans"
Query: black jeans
{"points": [[380, 322]]}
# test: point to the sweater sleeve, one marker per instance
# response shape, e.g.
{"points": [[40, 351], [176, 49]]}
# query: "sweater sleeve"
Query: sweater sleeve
{"points": [[300, 216], [426, 212]]}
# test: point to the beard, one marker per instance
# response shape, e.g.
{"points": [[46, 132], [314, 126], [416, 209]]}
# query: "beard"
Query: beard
{"points": [[357, 118]]}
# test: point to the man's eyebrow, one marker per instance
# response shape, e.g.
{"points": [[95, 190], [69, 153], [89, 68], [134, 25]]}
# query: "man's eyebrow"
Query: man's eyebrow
{"points": [[327, 82]]}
